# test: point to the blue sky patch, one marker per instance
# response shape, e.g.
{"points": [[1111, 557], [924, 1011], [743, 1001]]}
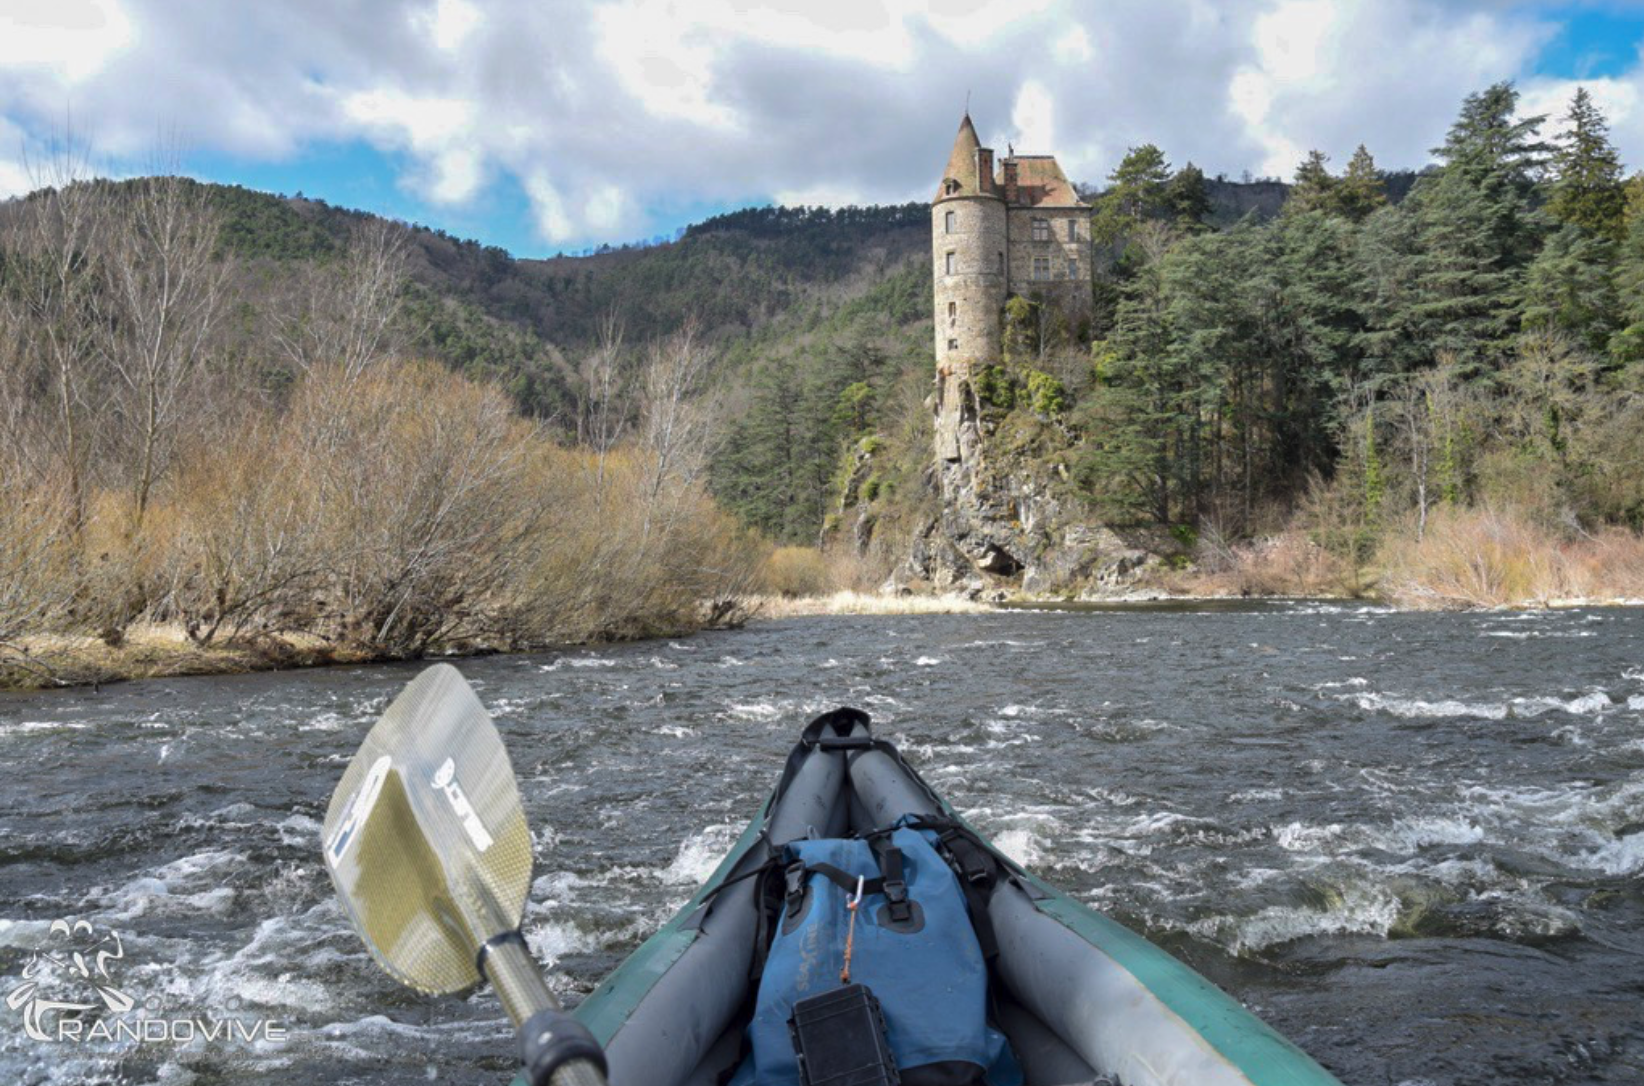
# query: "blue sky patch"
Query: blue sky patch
{"points": [[1593, 41]]}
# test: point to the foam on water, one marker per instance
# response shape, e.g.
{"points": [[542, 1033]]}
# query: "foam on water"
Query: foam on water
{"points": [[25, 727], [1355, 909], [699, 855], [579, 662], [1416, 707]]}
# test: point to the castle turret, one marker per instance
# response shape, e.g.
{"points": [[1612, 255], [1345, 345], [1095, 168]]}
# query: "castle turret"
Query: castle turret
{"points": [[968, 245]]}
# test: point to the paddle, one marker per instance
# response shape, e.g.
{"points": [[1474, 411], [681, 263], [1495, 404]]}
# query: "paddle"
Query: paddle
{"points": [[427, 845]]}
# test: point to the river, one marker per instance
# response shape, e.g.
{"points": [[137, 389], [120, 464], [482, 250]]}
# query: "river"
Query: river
{"points": [[1413, 843]]}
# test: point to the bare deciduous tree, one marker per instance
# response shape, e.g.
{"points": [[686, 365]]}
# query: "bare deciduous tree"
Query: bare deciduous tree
{"points": [[49, 322], [347, 314], [676, 424], [164, 294]]}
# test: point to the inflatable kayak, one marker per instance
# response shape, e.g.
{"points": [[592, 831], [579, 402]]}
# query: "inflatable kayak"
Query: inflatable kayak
{"points": [[1078, 997]]}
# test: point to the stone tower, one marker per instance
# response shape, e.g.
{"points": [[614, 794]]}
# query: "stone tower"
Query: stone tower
{"points": [[1022, 230], [968, 245]]}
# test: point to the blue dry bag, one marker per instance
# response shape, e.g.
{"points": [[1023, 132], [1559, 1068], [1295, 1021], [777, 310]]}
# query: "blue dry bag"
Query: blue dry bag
{"points": [[913, 946]]}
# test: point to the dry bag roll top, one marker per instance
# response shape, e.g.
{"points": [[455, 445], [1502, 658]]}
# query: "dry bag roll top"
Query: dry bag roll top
{"points": [[912, 945]]}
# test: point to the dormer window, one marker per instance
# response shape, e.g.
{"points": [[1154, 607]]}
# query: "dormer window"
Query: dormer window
{"points": [[1041, 229], [950, 186], [950, 222]]}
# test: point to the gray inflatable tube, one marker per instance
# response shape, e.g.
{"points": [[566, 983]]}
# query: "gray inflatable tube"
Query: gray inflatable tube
{"points": [[1082, 998]]}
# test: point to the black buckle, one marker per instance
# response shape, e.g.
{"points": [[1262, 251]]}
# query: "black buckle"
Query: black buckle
{"points": [[844, 742], [971, 859], [795, 888], [896, 900]]}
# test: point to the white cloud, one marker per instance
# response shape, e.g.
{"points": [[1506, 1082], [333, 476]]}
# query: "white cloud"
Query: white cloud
{"points": [[1073, 46], [1034, 118], [449, 22], [1386, 73], [68, 40], [437, 131], [14, 178], [1621, 100], [611, 116], [548, 209]]}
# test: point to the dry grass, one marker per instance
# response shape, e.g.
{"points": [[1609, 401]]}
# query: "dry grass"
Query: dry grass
{"points": [[847, 602], [1486, 558], [154, 650], [1286, 564]]}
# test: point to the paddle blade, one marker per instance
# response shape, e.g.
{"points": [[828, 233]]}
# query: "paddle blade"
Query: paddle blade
{"points": [[425, 837]]}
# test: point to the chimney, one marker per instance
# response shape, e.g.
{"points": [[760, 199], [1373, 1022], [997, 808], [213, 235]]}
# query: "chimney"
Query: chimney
{"points": [[984, 169], [1010, 180]]}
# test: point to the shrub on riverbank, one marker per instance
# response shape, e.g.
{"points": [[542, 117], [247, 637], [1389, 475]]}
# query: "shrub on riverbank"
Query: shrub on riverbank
{"points": [[385, 511], [791, 572], [1487, 558]]}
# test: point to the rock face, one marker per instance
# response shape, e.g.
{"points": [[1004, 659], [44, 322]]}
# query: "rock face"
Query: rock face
{"points": [[1007, 525]]}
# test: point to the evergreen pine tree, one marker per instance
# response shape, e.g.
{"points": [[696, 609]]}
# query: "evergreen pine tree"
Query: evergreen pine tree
{"points": [[1571, 287], [1587, 190], [1131, 417], [1475, 234], [1314, 188], [1501, 155], [1187, 198], [1627, 345], [1139, 193], [1360, 190]]}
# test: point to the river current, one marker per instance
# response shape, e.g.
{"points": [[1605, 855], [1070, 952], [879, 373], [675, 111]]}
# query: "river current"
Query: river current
{"points": [[1413, 843]]}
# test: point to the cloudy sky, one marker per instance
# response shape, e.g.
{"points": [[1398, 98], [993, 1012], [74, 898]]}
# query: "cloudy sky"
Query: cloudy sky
{"points": [[546, 125]]}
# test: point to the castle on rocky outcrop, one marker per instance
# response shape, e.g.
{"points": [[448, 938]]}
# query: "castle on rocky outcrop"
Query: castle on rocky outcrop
{"points": [[1021, 230], [1007, 521]]}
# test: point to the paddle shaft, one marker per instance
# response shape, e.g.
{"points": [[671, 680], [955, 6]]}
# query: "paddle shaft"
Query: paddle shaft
{"points": [[535, 1012]]}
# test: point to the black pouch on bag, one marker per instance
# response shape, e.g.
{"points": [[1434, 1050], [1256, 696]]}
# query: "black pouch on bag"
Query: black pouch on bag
{"points": [[840, 1039]]}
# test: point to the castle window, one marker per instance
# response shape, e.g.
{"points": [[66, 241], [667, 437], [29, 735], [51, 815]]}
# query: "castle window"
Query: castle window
{"points": [[1073, 269], [1041, 229], [953, 344], [1001, 263], [1041, 267], [953, 312], [949, 222], [951, 264], [1072, 229]]}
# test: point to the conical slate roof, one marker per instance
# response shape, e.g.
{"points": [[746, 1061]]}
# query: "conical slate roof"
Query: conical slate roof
{"points": [[962, 165]]}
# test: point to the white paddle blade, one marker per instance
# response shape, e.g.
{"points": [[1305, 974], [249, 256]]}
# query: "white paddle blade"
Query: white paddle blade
{"points": [[425, 837]]}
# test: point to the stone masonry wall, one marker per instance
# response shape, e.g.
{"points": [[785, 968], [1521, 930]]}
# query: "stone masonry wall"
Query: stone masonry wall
{"points": [[1071, 295], [976, 288]]}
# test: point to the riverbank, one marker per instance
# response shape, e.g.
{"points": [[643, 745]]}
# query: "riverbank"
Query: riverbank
{"points": [[165, 651], [154, 651]]}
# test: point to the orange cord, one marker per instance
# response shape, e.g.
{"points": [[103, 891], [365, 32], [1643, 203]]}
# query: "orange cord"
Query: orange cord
{"points": [[850, 932]]}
